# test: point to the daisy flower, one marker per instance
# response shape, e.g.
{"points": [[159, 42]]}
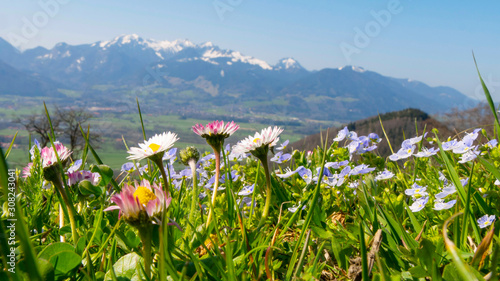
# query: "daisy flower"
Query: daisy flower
{"points": [[216, 128], [49, 157], [258, 146], [155, 147], [215, 133], [267, 138], [139, 203]]}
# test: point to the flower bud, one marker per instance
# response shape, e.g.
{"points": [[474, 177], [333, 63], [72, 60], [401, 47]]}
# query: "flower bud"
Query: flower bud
{"points": [[189, 153]]}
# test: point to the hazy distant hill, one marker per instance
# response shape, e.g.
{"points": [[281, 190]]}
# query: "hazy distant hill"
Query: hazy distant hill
{"points": [[398, 125], [221, 77], [15, 82]]}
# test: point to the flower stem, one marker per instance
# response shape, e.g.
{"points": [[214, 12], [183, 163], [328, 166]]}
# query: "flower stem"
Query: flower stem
{"points": [[265, 212], [145, 233], [159, 163], [194, 200], [69, 206], [216, 185]]}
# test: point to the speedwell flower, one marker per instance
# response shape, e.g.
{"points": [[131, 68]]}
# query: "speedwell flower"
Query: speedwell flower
{"points": [[154, 147], [485, 221]]}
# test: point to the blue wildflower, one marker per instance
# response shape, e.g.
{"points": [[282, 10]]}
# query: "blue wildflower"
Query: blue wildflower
{"points": [[419, 204], [485, 221], [441, 205]]}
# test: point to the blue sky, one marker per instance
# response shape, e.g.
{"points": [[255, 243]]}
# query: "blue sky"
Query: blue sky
{"points": [[430, 41]]}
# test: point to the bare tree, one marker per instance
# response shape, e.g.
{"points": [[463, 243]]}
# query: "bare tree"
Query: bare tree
{"points": [[38, 124], [66, 124], [459, 120], [70, 121]]}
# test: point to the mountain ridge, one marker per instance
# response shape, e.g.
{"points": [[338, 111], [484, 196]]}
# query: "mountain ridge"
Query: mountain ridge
{"points": [[222, 76]]}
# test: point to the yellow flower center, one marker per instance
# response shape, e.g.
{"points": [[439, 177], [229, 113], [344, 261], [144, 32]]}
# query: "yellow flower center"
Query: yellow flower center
{"points": [[154, 147], [144, 195], [256, 140], [409, 151]]}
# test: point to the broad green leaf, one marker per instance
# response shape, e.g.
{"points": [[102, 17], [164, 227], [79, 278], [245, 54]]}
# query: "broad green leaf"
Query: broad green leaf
{"points": [[54, 249], [64, 262], [127, 268]]}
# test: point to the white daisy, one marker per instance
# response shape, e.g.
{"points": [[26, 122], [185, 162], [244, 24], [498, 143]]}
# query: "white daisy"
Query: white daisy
{"points": [[266, 137], [156, 145]]}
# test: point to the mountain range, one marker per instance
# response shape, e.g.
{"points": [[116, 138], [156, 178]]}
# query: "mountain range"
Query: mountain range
{"points": [[204, 74]]}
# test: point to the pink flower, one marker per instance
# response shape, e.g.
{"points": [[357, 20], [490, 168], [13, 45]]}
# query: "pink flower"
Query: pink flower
{"points": [[49, 157], [216, 128], [78, 176], [27, 170], [139, 198]]}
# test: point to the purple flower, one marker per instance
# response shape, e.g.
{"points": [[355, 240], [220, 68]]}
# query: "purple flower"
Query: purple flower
{"points": [[427, 152], [246, 190], [485, 221], [306, 175], [282, 146], [342, 177], [447, 190], [374, 138], [75, 166], [384, 175], [336, 165], [449, 145], [171, 155], [441, 205], [341, 134], [128, 167], [288, 173], [294, 208], [281, 158], [419, 204], [184, 174], [78, 176], [405, 152], [361, 169], [492, 143], [468, 156], [416, 190]]}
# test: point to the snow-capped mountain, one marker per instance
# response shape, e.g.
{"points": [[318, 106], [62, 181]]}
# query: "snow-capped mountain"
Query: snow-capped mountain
{"points": [[222, 76]]}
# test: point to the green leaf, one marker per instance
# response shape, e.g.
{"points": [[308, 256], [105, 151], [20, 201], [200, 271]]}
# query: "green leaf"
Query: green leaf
{"points": [[126, 268], [87, 188], [418, 272], [64, 262], [106, 173], [132, 239], [54, 249], [46, 269]]}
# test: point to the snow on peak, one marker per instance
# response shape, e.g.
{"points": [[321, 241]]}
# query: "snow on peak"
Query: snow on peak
{"points": [[287, 63], [207, 45], [353, 68], [214, 53], [129, 38], [209, 51]]}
